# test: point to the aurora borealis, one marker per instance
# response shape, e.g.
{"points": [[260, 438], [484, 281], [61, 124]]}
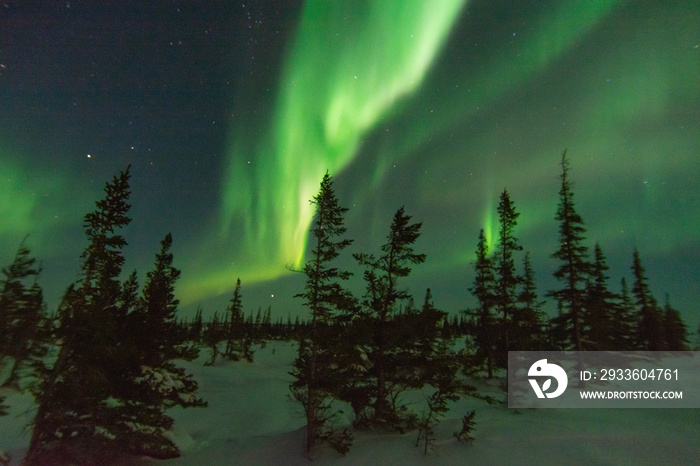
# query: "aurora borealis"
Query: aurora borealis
{"points": [[319, 121], [230, 115]]}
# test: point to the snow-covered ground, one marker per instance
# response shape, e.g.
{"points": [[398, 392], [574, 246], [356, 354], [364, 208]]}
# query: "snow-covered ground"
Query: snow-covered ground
{"points": [[251, 420]]}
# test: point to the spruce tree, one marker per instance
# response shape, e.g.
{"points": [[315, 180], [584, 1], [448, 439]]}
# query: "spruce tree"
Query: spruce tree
{"points": [[267, 324], [527, 329], [197, 326], [558, 333], [506, 278], [598, 319], [382, 298], [484, 320], [80, 416], [24, 327], [623, 321], [129, 300], [155, 315], [650, 330], [430, 361], [113, 378], [676, 330], [315, 381], [157, 342], [212, 336], [235, 332], [419, 353], [574, 268]]}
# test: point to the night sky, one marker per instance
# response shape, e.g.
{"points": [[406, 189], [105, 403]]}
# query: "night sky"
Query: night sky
{"points": [[230, 114]]}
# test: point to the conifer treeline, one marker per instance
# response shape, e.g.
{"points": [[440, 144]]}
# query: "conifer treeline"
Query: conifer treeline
{"points": [[104, 361], [103, 390], [590, 316], [367, 351]]}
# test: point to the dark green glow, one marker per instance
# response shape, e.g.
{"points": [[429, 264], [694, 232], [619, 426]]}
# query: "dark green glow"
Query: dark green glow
{"points": [[612, 104], [16, 204], [33, 203], [553, 35]]}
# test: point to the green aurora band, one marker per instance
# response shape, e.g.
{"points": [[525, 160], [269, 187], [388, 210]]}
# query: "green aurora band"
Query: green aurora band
{"points": [[350, 64], [355, 69]]}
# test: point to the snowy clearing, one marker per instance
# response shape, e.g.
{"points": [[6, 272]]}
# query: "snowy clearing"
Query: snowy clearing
{"points": [[252, 420]]}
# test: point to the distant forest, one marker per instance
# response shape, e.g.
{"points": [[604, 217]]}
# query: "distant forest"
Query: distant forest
{"points": [[103, 365]]}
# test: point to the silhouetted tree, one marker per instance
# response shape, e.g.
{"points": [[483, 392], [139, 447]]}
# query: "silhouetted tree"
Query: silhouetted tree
{"points": [[430, 361], [506, 278], [212, 335], [676, 330], [129, 300], [468, 424], [75, 420], [24, 327], [558, 333], [650, 331], [484, 325], [197, 325], [382, 298], [624, 326], [235, 333], [266, 323], [113, 377], [315, 378], [575, 268], [598, 324], [157, 343], [527, 328]]}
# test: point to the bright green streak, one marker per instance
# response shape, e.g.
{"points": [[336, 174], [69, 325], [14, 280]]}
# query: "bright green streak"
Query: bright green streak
{"points": [[490, 226], [350, 64]]}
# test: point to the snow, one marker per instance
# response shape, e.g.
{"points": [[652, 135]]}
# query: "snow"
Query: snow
{"points": [[14, 434], [252, 420]]}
